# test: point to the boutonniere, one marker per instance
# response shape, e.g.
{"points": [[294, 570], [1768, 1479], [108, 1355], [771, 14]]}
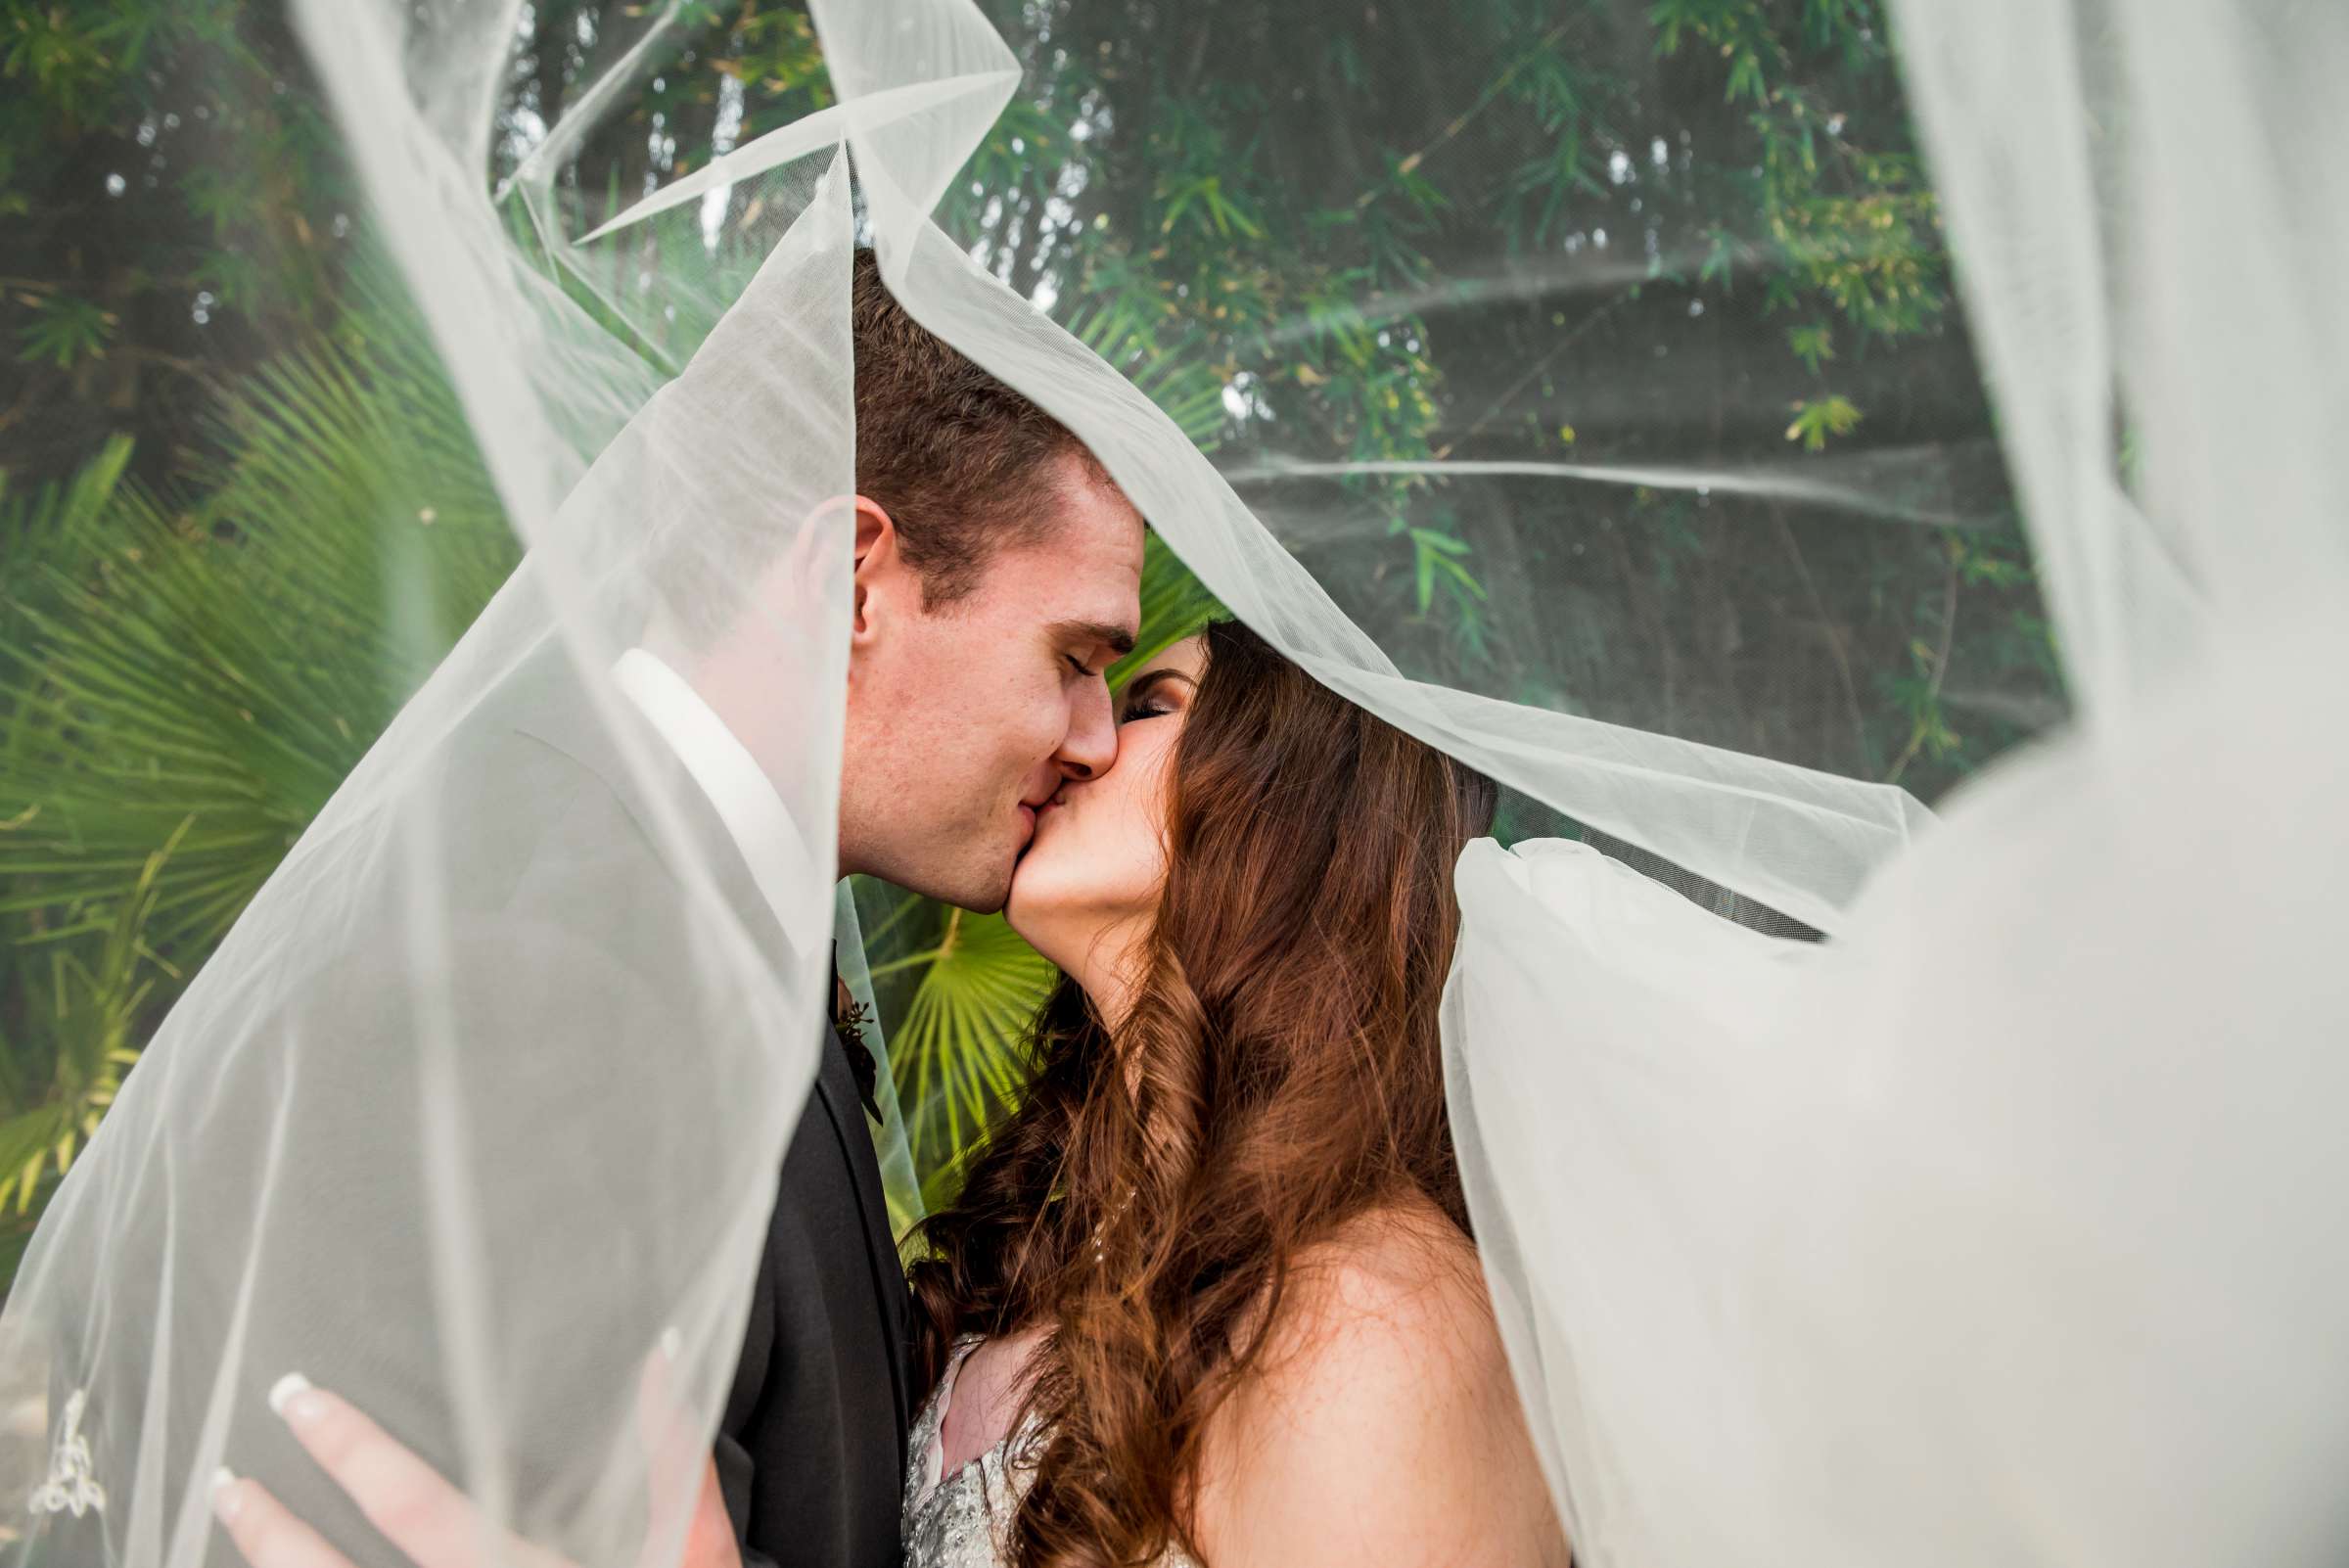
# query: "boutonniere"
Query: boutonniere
{"points": [[850, 1018]]}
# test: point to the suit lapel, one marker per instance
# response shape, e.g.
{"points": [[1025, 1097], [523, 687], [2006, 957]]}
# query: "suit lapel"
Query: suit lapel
{"points": [[836, 1090]]}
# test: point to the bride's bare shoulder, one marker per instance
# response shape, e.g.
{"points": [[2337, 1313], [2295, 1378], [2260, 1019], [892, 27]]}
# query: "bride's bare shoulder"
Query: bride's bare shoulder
{"points": [[1396, 1281], [1381, 1418]]}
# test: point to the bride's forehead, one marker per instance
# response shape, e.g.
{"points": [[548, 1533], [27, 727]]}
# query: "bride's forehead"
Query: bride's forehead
{"points": [[1185, 658], [1189, 656]]}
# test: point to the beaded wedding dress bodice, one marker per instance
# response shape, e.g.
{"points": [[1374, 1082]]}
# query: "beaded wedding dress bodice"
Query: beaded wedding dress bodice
{"points": [[958, 1520]]}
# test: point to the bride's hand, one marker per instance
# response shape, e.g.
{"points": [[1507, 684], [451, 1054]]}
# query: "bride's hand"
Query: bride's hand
{"points": [[432, 1523]]}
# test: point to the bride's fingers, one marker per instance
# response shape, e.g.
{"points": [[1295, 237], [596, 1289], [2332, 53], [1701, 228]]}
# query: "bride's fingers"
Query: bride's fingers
{"points": [[708, 1538], [432, 1522], [664, 1429], [680, 1477], [266, 1533], [710, 1541]]}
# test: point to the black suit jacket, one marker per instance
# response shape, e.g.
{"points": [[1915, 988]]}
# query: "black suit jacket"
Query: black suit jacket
{"points": [[812, 1447]]}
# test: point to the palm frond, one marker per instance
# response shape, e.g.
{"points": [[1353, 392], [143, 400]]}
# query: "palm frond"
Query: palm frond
{"points": [[229, 663], [41, 526], [958, 1054], [1173, 371], [88, 1011]]}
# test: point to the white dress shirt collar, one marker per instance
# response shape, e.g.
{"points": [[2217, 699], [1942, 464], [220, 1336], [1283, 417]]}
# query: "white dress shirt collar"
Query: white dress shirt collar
{"points": [[738, 789]]}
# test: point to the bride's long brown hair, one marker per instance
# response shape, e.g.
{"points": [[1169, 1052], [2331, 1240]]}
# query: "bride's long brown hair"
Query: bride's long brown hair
{"points": [[1277, 1075]]}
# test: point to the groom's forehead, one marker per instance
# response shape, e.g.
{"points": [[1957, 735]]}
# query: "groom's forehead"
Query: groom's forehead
{"points": [[1073, 601], [1084, 568]]}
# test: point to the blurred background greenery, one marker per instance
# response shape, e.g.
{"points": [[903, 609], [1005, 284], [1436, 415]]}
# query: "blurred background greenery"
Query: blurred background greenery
{"points": [[1582, 233]]}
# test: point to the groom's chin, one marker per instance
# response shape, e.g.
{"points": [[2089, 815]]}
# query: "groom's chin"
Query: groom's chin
{"points": [[980, 889]]}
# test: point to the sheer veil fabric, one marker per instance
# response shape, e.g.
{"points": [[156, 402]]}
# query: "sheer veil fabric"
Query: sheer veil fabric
{"points": [[2006, 1226], [484, 1096], [2003, 1225]]}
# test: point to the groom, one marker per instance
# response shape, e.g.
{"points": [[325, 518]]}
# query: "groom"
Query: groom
{"points": [[996, 576]]}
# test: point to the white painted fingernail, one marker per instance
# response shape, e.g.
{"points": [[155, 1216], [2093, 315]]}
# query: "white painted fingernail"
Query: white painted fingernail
{"points": [[672, 1343], [284, 1389], [227, 1503]]}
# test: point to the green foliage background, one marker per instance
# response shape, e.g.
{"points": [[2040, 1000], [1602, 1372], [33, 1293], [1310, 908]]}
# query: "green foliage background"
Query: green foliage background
{"points": [[240, 515]]}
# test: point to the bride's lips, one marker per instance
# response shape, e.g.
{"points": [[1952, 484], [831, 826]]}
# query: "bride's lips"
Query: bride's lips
{"points": [[1032, 815]]}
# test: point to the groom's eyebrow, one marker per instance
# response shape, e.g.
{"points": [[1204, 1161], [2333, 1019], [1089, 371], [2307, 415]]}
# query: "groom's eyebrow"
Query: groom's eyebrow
{"points": [[1118, 639]]}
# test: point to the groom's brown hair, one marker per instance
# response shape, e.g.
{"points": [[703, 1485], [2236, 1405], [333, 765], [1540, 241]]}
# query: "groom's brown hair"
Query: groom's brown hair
{"points": [[963, 464]]}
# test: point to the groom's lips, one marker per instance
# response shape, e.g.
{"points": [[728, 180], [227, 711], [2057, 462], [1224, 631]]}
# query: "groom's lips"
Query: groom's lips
{"points": [[1033, 806]]}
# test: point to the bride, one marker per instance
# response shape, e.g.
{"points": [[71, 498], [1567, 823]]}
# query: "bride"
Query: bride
{"points": [[1210, 1293]]}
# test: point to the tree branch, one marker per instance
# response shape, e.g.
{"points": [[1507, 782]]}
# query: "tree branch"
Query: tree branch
{"points": [[1941, 665]]}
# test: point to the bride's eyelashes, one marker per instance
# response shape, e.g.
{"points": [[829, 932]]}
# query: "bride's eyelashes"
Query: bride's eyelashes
{"points": [[1153, 695]]}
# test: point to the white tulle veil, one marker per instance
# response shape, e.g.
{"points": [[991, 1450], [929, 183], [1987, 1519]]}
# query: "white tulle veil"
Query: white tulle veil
{"points": [[1999, 1228], [2001, 1225]]}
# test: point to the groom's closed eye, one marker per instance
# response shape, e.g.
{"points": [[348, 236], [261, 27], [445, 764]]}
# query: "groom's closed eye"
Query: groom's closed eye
{"points": [[1090, 647]]}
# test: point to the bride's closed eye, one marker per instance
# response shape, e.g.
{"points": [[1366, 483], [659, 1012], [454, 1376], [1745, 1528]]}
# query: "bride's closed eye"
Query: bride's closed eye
{"points": [[1155, 695]]}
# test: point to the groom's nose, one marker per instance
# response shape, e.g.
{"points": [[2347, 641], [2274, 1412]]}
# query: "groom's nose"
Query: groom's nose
{"points": [[1091, 743]]}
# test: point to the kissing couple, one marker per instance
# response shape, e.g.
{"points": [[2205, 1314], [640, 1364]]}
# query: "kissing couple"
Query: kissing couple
{"points": [[1208, 1295]]}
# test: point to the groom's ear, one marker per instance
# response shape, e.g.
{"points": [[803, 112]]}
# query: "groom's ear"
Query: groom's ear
{"points": [[876, 558]]}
